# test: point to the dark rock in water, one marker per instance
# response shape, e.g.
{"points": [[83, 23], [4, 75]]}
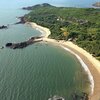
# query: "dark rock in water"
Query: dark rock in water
{"points": [[3, 27], [8, 44], [2, 47], [82, 96], [24, 44]]}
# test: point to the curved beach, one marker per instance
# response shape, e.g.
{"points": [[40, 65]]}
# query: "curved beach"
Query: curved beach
{"points": [[88, 62]]}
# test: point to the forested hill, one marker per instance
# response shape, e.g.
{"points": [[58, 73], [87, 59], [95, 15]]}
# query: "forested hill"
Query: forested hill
{"points": [[80, 25]]}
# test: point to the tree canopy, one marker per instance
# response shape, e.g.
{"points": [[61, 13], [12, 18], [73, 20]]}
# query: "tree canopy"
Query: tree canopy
{"points": [[81, 25]]}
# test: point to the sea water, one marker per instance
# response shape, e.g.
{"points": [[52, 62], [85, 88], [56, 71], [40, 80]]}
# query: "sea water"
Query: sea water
{"points": [[39, 71]]}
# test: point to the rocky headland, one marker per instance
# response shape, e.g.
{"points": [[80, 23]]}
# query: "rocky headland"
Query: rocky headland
{"points": [[24, 44], [21, 20], [36, 6]]}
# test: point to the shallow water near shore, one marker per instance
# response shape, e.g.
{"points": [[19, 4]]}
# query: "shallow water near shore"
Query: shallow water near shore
{"points": [[39, 71]]}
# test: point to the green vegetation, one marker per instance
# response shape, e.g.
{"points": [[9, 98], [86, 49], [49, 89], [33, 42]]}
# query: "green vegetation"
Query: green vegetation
{"points": [[80, 25]]}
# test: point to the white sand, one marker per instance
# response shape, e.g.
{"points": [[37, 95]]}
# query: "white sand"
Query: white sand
{"points": [[45, 31]]}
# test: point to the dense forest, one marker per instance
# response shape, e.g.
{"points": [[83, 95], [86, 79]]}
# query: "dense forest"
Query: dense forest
{"points": [[80, 25]]}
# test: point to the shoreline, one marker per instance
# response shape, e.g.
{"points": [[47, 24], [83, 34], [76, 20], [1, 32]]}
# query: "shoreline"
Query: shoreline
{"points": [[88, 64], [45, 31], [85, 67]]}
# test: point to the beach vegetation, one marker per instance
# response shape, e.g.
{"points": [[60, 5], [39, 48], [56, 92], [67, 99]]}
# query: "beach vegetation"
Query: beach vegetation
{"points": [[81, 25]]}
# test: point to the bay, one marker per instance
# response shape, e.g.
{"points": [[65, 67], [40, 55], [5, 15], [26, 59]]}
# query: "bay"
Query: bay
{"points": [[41, 70]]}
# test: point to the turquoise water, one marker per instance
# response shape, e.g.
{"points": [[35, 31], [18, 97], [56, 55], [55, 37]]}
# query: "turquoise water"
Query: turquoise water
{"points": [[39, 71]]}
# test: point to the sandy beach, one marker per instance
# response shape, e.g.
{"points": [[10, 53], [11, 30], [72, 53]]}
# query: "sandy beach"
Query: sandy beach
{"points": [[88, 62], [45, 31]]}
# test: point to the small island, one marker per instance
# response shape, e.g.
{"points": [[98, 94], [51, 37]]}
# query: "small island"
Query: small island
{"points": [[97, 4]]}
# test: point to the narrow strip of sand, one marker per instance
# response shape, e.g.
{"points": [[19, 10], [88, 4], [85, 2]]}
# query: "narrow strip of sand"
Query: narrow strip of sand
{"points": [[45, 31], [90, 64]]}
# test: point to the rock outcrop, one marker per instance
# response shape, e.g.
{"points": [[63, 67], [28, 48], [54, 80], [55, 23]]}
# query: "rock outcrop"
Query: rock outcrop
{"points": [[24, 44], [3, 27]]}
